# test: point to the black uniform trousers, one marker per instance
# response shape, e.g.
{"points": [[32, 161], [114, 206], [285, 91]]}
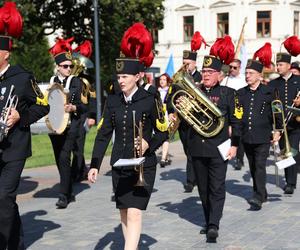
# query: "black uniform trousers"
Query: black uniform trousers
{"points": [[183, 135], [257, 155], [63, 146], [210, 175], [11, 232], [78, 161], [291, 172]]}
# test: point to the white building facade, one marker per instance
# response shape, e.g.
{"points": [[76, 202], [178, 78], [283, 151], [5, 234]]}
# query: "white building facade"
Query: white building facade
{"points": [[267, 21]]}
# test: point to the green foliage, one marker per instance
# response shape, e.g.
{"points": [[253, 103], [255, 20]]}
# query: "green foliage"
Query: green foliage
{"points": [[31, 49], [76, 18]]}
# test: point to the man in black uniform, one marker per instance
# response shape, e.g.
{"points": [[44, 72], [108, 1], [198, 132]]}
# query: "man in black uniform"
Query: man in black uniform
{"points": [[88, 119], [16, 146], [288, 86], [63, 144], [255, 100], [189, 59], [209, 166]]}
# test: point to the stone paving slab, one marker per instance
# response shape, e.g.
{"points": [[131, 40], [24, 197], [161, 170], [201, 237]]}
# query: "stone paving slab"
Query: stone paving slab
{"points": [[172, 220]]}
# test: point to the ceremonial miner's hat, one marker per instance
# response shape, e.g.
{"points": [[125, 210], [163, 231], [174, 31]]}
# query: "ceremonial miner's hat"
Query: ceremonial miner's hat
{"points": [[196, 43], [137, 44], [12, 25], [264, 56]]}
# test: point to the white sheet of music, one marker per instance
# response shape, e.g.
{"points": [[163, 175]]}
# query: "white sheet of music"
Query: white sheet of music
{"points": [[129, 162], [285, 163], [224, 149]]}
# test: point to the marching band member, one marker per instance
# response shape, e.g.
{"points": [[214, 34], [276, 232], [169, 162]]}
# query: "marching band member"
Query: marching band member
{"points": [[16, 145], [63, 143], [254, 103], [209, 166], [118, 116], [288, 85], [189, 60]]}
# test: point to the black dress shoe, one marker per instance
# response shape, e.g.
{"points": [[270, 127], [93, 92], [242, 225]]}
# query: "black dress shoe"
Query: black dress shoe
{"points": [[255, 204], [62, 201], [212, 234], [203, 230], [238, 164], [163, 163], [188, 188], [288, 189]]}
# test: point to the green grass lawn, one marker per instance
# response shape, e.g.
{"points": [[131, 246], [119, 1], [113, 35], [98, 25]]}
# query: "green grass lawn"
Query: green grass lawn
{"points": [[42, 153]]}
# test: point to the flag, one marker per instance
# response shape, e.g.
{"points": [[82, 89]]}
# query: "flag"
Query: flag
{"points": [[243, 58], [170, 67]]}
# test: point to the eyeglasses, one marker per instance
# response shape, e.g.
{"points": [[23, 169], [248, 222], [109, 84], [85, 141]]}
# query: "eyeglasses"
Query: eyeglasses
{"points": [[65, 66], [209, 72], [233, 67]]}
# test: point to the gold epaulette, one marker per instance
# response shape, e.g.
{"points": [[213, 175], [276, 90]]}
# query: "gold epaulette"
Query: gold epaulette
{"points": [[85, 90], [238, 109], [170, 90], [100, 123]]}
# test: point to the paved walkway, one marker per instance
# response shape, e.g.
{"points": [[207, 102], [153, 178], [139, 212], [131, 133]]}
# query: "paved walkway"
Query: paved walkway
{"points": [[173, 218]]}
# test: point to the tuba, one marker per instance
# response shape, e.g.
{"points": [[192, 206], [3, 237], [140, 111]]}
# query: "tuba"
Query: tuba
{"points": [[81, 63], [195, 107]]}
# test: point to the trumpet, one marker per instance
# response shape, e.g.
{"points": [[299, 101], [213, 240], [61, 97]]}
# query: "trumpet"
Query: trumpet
{"points": [[138, 153], [11, 102]]}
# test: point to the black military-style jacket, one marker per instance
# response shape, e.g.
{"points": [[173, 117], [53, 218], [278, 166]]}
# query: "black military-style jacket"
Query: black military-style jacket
{"points": [[118, 116], [257, 117], [287, 93], [197, 76], [31, 107], [200, 146]]}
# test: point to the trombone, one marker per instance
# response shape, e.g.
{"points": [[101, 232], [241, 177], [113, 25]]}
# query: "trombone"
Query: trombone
{"points": [[138, 153]]}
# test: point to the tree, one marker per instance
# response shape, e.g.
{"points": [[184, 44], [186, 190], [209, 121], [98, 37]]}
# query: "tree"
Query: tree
{"points": [[75, 18], [31, 49]]}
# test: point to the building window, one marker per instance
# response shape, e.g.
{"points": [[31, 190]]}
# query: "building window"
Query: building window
{"points": [[154, 33], [296, 23], [223, 24], [188, 28], [263, 23]]}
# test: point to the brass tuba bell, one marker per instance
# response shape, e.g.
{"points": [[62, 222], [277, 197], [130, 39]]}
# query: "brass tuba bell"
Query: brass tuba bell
{"points": [[195, 107]]}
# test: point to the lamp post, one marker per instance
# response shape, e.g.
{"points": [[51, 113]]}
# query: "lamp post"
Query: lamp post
{"points": [[97, 60]]}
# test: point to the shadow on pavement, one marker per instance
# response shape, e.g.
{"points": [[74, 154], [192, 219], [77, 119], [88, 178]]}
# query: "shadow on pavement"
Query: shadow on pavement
{"points": [[27, 185], [189, 209], [117, 242], [54, 190], [177, 174], [34, 228]]}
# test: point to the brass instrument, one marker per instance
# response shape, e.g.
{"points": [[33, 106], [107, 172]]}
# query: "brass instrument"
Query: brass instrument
{"points": [[195, 107], [277, 110], [173, 126], [292, 109], [11, 102], [81, 63], [138, 153]]}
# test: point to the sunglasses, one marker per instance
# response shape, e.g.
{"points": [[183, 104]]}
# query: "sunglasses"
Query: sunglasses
{"points": [[233, 67], [65, 66]]}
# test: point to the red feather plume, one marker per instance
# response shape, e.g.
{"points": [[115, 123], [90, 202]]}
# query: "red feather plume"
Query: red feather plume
{"points": [[148, 60], [85, 48], [223, 49], [137, 41], [61, 45], [11, 22], [292, 45], [264, 55], [197, 41]]}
